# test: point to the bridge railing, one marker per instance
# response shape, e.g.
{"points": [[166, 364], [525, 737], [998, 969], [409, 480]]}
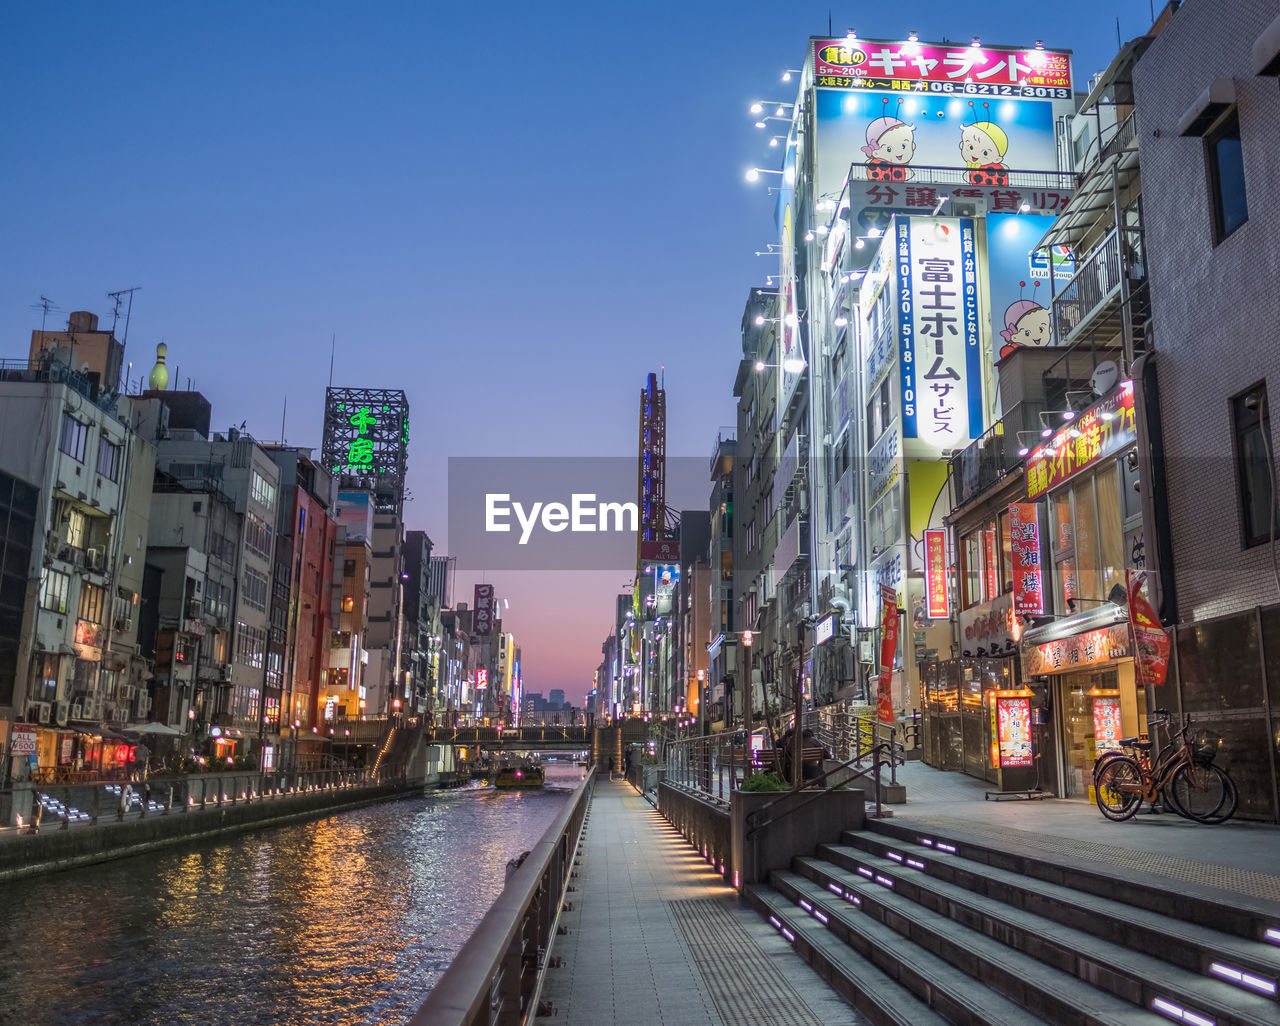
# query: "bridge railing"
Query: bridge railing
{"points": [[496, 976]]}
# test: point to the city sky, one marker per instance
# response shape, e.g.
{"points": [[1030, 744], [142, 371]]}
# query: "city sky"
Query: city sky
{"points": [[512, 211]]}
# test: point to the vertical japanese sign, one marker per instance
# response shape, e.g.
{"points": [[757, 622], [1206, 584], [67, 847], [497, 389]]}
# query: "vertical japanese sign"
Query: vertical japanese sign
{"points": [[935, 574], [482, 622], [1150, 642], [888, 652], [1024, 543], [939, 351], [991, 564], [482, 679]]}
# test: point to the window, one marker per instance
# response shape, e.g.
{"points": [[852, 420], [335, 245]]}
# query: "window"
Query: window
{"points": [[348, 568], [91, 601], [251, 645], [262, 490], [73, 438], [1225, 158], [257, 535], [1251, 419], [54, 590], [108, 459], [255, 589], [77, 529], [879, 411]]}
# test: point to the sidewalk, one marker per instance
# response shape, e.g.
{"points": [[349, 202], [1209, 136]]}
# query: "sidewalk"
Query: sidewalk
{"points": [[656, 936], [1238, 857]]}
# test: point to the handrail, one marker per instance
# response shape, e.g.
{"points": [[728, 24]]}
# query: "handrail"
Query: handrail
{"points": [[892, 746], [492, 979]]}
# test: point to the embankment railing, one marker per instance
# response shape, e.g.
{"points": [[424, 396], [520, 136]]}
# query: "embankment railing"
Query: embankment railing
{"points": [[496, 976]]}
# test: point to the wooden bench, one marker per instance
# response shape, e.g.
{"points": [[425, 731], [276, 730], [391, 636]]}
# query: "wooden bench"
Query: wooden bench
{"points": [[767, 758]]}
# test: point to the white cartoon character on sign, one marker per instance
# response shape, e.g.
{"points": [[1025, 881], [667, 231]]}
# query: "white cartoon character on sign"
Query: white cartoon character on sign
{"points": [[891, 143], [1026, 323], [983, 146]]}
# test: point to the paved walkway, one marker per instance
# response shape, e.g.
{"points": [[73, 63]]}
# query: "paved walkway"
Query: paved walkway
{"points": [[656, 936], [1238, 857]]}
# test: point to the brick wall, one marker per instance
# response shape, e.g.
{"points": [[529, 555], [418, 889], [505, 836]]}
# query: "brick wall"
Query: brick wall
{"points": [[1216, 309]]}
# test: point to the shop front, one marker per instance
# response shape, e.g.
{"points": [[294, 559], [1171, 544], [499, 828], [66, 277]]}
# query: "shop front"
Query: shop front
{"points": [[1085, 665]]}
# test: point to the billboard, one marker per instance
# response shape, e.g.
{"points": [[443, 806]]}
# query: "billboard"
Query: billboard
{"points": [[1103, 430], [911, 115], [366, 440], [1018, 280], [482, 620], [939, 347]]}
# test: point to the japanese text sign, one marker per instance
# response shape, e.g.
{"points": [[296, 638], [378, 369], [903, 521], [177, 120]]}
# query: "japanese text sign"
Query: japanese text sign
{"points": [[1103, 430], [1103, 645], [482, 622], [1024, 544], [938, 345], [1150, 642], [482, 679], [996, 71], [935, 574], [1013, 731]]}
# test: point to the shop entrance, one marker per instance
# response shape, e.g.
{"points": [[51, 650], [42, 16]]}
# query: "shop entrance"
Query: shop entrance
{"points": [[1099, 708]]}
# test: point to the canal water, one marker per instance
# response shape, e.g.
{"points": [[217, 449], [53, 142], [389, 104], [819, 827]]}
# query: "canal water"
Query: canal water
{"points": [[348, 919]]}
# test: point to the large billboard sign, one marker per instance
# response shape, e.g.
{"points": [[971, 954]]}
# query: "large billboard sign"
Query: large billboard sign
{"points": [[1103, 430], [482, 621], [911, 115], [366, 440], [939, 347], [1018, 278]]}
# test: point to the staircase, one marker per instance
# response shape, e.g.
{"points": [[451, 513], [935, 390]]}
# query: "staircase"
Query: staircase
{"points": [[382, 752], [915, 929]]}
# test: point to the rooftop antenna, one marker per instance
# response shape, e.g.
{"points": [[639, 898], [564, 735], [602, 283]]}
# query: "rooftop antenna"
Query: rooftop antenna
{"points": [[44, 306], [118, 298], [283, 414], [333, 345]]}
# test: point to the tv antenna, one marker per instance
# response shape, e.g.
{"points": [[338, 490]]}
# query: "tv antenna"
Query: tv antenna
{"points": [[117, 299], [44, 306]]}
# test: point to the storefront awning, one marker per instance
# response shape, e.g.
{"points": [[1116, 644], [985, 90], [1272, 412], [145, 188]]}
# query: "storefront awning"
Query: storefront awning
{"points": [[1104, 615]]}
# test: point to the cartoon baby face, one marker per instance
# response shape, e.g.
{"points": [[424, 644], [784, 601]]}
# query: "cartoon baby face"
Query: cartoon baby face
{"points": [[897, 145], [976, 147], [1033, 329]]}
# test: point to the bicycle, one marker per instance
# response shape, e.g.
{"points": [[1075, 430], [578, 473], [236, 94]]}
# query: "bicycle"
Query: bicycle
{"points": [[1183, 774]]}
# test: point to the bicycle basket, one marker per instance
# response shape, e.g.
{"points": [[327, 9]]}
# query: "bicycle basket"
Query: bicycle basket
{"points": [[1204, 749]]}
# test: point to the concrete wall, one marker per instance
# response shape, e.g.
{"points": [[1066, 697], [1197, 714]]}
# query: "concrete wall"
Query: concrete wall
{"points": [[54, 849], [1213, 306], [819, 817], [704, 824]]}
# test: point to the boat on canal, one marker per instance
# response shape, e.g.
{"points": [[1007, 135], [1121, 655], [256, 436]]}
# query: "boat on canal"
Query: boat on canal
{"points": [[518, 773]]}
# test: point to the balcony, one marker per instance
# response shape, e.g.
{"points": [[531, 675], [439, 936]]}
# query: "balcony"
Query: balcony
{"points": [[988, 460], [957, 178], [1085, 300], [792, 550]]}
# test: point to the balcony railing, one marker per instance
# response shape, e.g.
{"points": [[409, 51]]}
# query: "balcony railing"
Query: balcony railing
{"points": [[930, 176], [992, 457], [1095, 282]]}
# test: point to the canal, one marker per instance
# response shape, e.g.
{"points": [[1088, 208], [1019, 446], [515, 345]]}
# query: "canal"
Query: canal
{"points": [[348, 919]]}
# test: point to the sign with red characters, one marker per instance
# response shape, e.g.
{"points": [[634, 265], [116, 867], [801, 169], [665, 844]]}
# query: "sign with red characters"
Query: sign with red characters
{"points": [[935, 574], [1024, 545], [1150, 642]]}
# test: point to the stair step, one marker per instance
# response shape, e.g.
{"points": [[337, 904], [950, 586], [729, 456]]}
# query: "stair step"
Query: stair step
{"points": [[1216, 909], [972, 931], [871, 990], [1189, 946], [998, 981]]}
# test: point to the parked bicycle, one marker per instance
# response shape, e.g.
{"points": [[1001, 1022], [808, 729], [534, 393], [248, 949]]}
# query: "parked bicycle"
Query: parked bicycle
{"points": [[1182, 776]]}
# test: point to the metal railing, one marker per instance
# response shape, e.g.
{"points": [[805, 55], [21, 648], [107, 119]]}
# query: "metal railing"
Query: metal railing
{"points": [[496, 977], [930, 176], [715, 765], [35, 806], [1095, 282]]}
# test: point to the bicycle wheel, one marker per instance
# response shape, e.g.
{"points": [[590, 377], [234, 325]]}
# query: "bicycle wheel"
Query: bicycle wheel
{"points": [[1202, 792], [1115, 803]]}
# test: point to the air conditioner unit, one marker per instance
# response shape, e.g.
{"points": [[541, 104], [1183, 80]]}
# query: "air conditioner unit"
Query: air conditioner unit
{"points": [[77, 711], [62, 712], [143, 704], [124, 693], [120, 714], [66, 553], [226, 671], [123, 623], [95, 558], [92, 708], [42, 710]]}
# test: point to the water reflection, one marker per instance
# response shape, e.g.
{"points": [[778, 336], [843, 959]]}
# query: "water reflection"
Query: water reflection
{"points": [[344, 920]]}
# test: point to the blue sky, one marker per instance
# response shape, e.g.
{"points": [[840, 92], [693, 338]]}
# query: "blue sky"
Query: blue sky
{"points": [[513, 211]]}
